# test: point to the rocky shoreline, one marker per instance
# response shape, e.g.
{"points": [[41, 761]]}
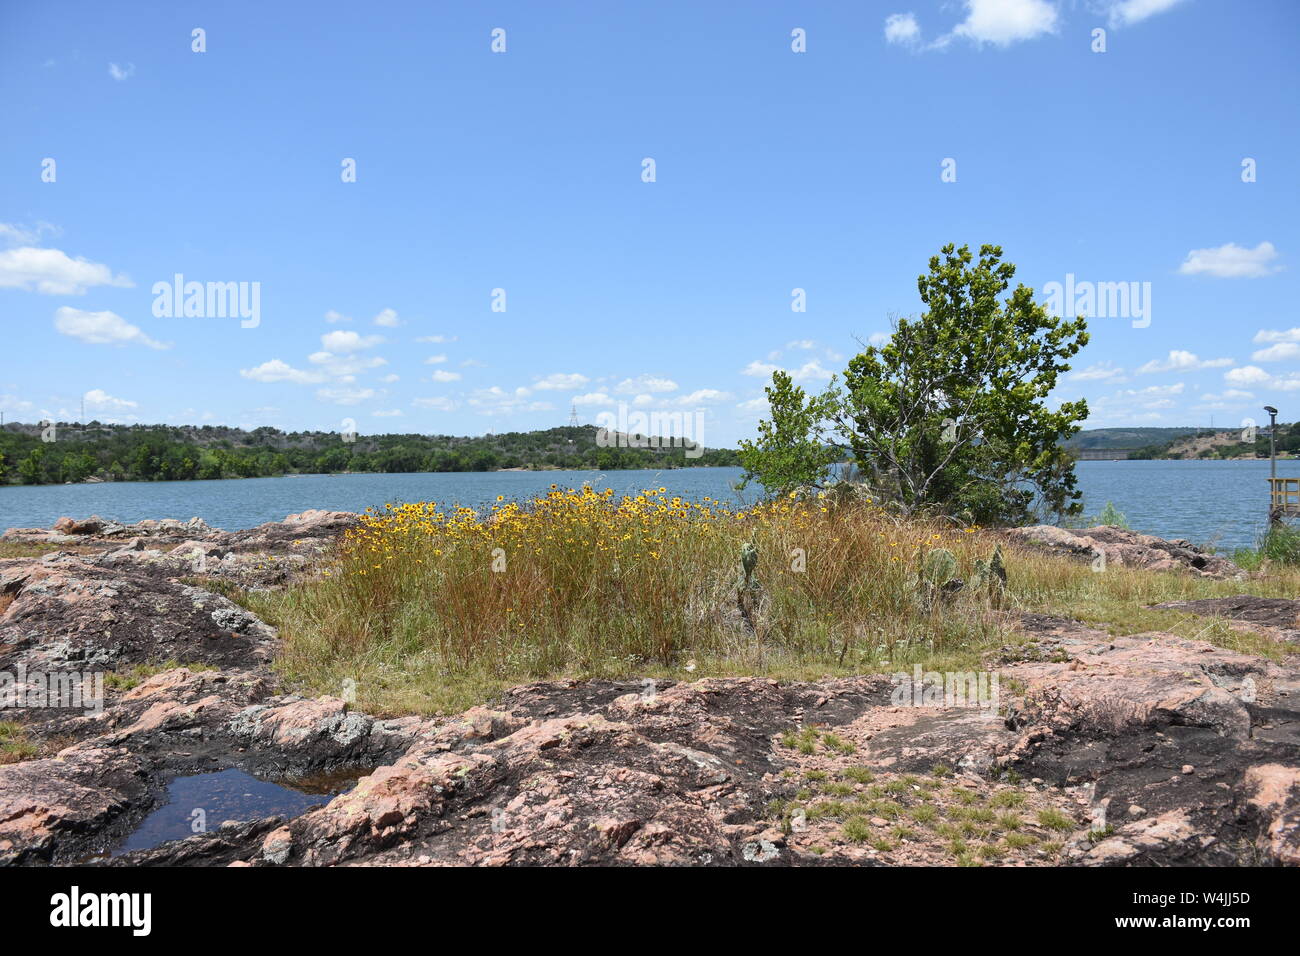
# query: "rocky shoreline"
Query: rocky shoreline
{"points": [[1144, 750]]}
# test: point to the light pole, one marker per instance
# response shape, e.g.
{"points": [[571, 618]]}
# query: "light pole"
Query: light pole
{"points": [[1272, 446], [1272, 465]]}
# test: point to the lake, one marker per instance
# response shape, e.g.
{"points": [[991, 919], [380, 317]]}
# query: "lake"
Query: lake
{"points": [[1223, 503]]}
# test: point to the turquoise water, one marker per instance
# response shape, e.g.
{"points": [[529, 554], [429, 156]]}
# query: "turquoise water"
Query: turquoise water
{"points": [[1218, 502]]}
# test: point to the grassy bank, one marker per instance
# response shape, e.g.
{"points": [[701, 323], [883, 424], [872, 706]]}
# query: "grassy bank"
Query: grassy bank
{"points": [[430, 611]]}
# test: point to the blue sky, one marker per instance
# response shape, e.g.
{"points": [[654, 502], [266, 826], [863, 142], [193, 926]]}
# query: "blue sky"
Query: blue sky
{"points": [[523, 171]]}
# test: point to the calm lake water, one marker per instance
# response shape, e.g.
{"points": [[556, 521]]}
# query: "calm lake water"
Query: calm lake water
{"points": [[1223, 503]]}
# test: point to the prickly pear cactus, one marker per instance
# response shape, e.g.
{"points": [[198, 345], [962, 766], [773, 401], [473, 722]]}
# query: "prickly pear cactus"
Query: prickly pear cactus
{"points": [[748, 562], [991, 577], [997, 569], [939, 567], [936, 578]]}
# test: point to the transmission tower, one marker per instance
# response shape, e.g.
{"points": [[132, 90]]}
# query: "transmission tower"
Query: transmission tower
{"points": [[573, 416]]}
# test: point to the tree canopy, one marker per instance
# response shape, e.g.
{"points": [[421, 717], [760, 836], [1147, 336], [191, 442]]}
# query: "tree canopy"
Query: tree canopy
{"points": [[948, 416]]}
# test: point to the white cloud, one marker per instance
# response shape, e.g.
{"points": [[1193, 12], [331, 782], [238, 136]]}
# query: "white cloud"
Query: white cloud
{"points": [[1176, 389], [879, 338], [345, 396], [1126, 12], [560, 381], [1228, 395], [1246, 375], [387, 413], [439, 375], [1003, 22], [438, 402], [387, 318], [333, 317], [646, 383], [345, 340], [391, 377], [1231, 261], [97, 398], [121, 73], [278, 371], [101, 328], [345, 368], [1136, 405], [15, 235], [437, 339], [593, 398], [754, 404], [1277, 335], [12, 403], [902, 28], [1278, 352], [1101, 372], [52, 272], [497, 401], [703, 396], [1254, 375], [1151, 392], [1182, 361], [809, 371], [435, 360], [760, 369], [1273, 335]]}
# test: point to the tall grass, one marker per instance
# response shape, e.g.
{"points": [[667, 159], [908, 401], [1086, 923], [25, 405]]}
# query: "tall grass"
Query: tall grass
{"points": [[429, 611], [1279, 545]]}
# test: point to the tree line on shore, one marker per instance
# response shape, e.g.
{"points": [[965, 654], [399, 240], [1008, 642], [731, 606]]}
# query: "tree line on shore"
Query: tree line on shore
{"points": [[106, 452]]}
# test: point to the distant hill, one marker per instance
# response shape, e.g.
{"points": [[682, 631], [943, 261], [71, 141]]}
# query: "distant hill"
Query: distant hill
{"points": [[1109, 438], [1185, 443], [99, 452]]}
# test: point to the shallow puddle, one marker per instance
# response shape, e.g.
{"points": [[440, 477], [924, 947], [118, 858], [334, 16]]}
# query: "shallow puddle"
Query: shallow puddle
{"points": [[201, 803]]}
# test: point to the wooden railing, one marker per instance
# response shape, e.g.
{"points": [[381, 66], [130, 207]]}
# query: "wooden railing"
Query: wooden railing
{"points": [[1284, 496]]}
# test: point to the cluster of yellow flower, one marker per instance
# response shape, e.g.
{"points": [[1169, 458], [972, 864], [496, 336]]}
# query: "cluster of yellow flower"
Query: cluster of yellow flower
{"points": [[567, 522]]}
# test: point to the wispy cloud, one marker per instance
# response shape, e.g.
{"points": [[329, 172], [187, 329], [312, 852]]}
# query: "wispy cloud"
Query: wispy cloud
{"points": [[903, 29], [345, 396], [560, 381], [1180, 360], [1126, 12]]}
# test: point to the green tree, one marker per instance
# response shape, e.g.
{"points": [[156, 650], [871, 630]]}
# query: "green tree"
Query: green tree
{"points": [[950, 415], [31, 470], [791, 449]]}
